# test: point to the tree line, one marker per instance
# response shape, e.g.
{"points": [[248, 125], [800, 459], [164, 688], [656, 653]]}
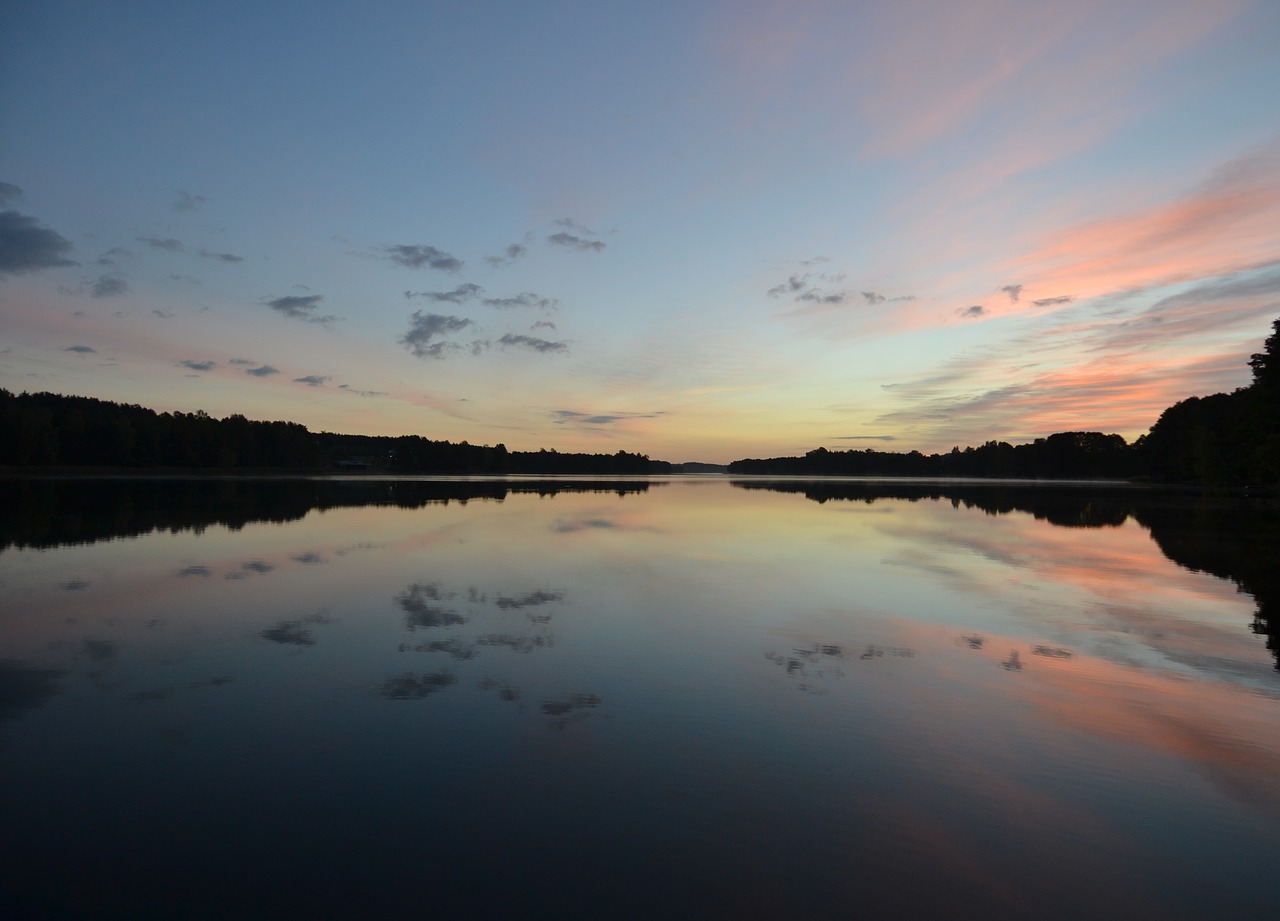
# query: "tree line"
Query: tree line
{"points": [[1221, 440], [43, 430]]}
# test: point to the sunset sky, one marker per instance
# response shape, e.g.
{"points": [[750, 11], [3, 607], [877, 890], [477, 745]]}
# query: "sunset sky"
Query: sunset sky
{"points": [[697, 230]]}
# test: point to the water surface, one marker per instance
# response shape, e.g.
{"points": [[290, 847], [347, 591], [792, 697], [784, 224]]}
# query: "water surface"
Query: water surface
{"points": [[669, 698]]}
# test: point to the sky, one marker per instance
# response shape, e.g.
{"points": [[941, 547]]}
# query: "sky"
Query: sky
{"points": [[696, 230]]}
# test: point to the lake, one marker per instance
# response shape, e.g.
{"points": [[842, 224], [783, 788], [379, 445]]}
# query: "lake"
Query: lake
{"points": [[665, 698]]}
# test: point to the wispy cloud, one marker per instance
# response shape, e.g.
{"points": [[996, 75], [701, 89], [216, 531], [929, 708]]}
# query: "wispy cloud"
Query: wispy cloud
{"points": [[109, 286], [459, 295], [193, 365], [313, 380], [417, 256], [533, 343], [509, 255], [82, 349], [1053, 301], [262, 371], [1014, 291], [167, 244], [301, 307], [186, 201], [525, 299], [221, 257], [972, 311], [573, 241]]}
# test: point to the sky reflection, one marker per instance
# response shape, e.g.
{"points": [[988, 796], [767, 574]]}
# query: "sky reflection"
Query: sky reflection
{"points": [[718, 698]]}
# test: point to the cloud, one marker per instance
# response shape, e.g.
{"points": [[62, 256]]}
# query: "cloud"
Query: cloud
{"points": [[543, 324], [1053, 301], [221, 257], [509, 255], [570, 416], [25, 246], [976, 310], [416, 256], [109, 286], [525, 299], [873, 297], [197, 365], [262, 371], [818, 296], [242, 361], [533, 342], [865, 438], [459, 295], [362, 393], [792, 285], [426, 327], [185, 201], [1013, 291], [168, 244], [301, 307], [572, 241], [82, 349], [9, 192], [162, 314], [313, 380]]}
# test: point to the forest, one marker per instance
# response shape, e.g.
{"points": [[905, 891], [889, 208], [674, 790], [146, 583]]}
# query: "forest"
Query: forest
{"points": [[1227, 439]]}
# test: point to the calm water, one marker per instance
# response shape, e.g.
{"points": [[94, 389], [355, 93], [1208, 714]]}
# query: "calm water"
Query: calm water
{"points": [[684, 698]]}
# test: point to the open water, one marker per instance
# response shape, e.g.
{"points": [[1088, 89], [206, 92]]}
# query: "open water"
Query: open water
{"points": [[683, 698]]}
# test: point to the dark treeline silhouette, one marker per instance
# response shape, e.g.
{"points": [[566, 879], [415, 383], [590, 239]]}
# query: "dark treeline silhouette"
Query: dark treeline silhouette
{"points": [[1232, 537], [40, 430], [1220, 440], [51, 512]]}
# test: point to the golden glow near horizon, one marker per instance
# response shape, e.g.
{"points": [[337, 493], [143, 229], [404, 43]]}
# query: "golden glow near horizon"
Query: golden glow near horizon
{"points": [[712, 231]]}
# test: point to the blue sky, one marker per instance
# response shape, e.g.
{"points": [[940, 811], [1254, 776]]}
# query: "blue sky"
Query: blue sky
{"points": [[697, 230]]}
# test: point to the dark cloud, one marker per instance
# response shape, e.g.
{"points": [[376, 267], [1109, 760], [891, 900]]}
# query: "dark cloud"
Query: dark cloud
{"points": [[107, 259], [509, 255], [300, 307], [262, 371], [459, 295], [425, 327], [194, 365], [1014, 291], [185, 201], [524, 299], [417, 256], [874, 297], [242, 361], [533, 342], [866, 438], [792, 285], [9, 192], [413, 687], [25, 246], [290, 632], [818, 296], [1054, 301], [421, 603], [976, 310], [109, 286], [202, 571], [162, 314], [573, 241], [543, 324], [83, 349], [221, 257], [168, 244], [533, 599], [258, 566], [313, 380]]}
